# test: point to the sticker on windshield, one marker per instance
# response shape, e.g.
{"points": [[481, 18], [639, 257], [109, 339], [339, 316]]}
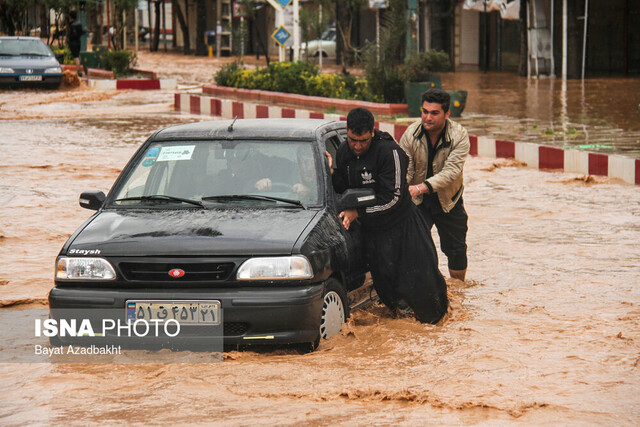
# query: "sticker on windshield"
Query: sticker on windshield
{"points": [[178, 152], [151, 156]]}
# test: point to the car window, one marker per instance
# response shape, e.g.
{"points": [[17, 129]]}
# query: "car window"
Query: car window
{"points": [[332, 143], [329, 34], [15, 47], [206, 170]]}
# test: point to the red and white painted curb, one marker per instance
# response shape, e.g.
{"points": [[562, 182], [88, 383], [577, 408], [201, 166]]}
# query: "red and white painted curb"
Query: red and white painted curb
{"points": [[534, 155], [138, 84]]}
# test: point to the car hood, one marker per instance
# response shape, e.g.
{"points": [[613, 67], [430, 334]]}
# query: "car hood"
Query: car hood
{"points": [[192, 232], [28, 61]]}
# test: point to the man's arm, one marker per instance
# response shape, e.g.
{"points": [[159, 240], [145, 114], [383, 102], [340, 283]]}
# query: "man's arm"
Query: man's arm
{"points": [[391, 177], [405, 144]]}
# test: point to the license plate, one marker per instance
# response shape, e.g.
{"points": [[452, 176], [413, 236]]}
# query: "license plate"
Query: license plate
{"points": [[30, 78], [204, 312]]}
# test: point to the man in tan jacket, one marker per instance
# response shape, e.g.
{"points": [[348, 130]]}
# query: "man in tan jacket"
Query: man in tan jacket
{"points": [[437, 148]]}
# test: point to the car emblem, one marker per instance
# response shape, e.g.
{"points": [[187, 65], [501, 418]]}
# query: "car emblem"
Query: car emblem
{"points": [[29, 70], [176, 272]]}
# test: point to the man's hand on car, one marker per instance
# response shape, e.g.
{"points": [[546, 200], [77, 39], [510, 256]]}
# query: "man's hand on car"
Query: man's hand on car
{"points": [[348, 216]]}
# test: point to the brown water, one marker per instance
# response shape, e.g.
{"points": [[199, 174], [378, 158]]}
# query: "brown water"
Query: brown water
{"points": [[546, 329], [595, 114]]}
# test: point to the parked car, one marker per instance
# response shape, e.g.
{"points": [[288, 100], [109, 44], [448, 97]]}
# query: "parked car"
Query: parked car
{"points": [[28, 62], [239, 217], [326, 45]]}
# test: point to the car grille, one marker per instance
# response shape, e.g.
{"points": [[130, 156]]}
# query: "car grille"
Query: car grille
{"points": [[34, 70], [193, 272]]}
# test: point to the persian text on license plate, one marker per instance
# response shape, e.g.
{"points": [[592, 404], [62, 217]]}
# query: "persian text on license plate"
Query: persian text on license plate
{"points": [[30, 78], [202, 312]]}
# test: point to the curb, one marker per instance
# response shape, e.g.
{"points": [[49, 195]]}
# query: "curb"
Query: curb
{"points": [[99, 73], [535, 156], [138, 84]]}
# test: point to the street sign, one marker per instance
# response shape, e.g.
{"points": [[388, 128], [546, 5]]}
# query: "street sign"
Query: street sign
{"points": [[378, 4], [281, 35], [238, 10], [284, 3]]}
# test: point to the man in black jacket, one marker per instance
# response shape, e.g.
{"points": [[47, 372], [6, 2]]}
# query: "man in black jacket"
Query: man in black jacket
{"points": [[74, 39], [401, 255]]}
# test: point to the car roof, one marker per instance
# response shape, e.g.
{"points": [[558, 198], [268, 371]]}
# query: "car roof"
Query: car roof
{"points": [[281, 129], [19, 38]]}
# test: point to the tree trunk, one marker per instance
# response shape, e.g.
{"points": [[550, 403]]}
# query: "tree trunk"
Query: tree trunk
{"points": [[524, 34], [175, 7], [574, 38], [156, 30], [44, 20], [201, 27]]}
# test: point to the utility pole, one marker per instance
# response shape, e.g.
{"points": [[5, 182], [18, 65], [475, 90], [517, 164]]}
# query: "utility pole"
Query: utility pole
{"points": [[565, 29], [412, 19]]}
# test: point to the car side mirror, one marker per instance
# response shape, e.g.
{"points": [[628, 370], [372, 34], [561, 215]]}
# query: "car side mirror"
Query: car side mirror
{"points": [[357, 198], [92, 200]]}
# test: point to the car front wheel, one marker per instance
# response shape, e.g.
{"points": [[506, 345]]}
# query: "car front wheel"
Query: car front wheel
{"points": [[334, 309]]}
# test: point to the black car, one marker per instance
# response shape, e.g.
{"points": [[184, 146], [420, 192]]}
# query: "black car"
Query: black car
{"points": [[235, 217], [28, 62]]}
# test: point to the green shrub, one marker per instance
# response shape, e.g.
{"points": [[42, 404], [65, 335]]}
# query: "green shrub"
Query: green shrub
{"points": [[224, 75], [291, 76], [387, 82], [295, 77], [418, 66], [67, 59], [119, 61]]}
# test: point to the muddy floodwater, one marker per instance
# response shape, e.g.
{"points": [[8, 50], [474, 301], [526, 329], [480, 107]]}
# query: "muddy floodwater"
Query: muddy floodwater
{"points": [[546, 330], [597, 114]]}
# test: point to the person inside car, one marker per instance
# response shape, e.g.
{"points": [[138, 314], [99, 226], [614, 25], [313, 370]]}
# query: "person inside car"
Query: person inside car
{"points": [[249, 170]]}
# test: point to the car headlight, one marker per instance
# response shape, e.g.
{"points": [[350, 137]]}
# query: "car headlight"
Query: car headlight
{"points": [[6, 70], [84, 269], [275, 268], [53, 70]]}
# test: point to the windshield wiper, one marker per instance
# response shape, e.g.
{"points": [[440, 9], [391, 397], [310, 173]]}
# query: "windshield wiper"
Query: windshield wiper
{"points": [[33, 54], [162, 197], [7, 54], [255, 197]]}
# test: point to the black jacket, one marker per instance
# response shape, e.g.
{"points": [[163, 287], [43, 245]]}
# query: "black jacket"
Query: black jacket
{"points": [[75, 32], [384, 168]]}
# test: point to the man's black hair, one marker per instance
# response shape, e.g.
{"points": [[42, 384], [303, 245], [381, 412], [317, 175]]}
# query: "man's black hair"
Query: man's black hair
{"points": [[437, 96], [73, 15], [360, 120]]}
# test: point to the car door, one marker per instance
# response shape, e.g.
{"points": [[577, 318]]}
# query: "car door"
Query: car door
{"points": [[353, 237]]}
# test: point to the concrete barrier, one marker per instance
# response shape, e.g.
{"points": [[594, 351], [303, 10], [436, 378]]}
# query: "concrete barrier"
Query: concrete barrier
{"points": [[138, 84], [97, 73], [534, 155]]}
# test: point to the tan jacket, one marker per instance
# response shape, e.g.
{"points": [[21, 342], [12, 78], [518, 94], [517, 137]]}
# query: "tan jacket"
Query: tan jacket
{"points": [[447, 179]]}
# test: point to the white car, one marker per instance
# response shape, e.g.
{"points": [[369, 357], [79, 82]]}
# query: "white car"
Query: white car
{"points": [[326, 44]]}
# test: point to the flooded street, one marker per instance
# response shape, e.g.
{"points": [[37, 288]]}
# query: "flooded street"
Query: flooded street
{"points": [[599, 115], [545, 331]]}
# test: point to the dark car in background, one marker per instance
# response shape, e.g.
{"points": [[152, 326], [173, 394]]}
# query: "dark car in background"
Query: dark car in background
{"points": [[234, 217], [28, 62]]}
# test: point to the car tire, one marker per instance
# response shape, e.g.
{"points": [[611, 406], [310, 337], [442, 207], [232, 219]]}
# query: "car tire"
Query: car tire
{"points": [[334, 308], [308, 347]]}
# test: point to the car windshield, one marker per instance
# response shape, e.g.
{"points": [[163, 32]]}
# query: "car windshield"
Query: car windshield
{"points": [[329, 34], [18, 47], [252, 173]]}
